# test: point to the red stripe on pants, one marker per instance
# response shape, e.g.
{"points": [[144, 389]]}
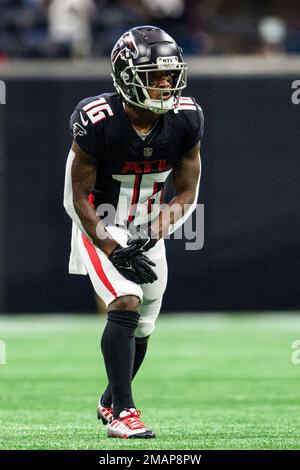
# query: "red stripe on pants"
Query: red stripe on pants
{"points": [[97, 265]]}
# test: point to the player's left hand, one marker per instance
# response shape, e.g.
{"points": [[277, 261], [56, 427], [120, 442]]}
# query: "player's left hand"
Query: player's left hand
{"points": [[140, 241], [137, 270]]}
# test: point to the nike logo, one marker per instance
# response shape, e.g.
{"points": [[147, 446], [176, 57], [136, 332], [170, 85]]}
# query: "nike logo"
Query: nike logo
{"points": [[85, 123]]}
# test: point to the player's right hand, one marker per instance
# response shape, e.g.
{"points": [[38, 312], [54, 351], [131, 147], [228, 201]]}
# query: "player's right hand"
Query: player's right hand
{"points": [[137, 270], [140, 241]]}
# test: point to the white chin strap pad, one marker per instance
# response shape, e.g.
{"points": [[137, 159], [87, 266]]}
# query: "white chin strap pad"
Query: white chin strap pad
{"points": [[156, 106]]}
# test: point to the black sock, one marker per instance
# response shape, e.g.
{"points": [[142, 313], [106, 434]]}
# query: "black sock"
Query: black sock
{"points": [[118, 349], [141, 345]]}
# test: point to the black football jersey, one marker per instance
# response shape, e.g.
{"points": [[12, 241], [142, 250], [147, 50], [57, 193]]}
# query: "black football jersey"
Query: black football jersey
{"points": [[132, 171]]}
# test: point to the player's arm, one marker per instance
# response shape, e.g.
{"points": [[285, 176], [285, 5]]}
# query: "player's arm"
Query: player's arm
{"points": [[186, 179], [81, 173]]}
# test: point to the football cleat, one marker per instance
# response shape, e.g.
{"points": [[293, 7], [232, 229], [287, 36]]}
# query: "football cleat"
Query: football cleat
{"points": [[105, 413], [129, 426]]}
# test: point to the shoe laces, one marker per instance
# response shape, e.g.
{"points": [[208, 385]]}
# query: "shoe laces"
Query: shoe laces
{"points": [[108, 408], [132, 420]]}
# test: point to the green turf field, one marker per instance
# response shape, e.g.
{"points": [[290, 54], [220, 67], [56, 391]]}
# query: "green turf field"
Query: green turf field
{"points": [[208, 382]]}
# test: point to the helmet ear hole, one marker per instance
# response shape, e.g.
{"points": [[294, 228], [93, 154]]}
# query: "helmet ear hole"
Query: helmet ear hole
{"points": [[125, 77]]}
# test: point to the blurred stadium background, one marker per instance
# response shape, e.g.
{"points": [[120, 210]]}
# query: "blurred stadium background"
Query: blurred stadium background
{"points": [[244, 58]]}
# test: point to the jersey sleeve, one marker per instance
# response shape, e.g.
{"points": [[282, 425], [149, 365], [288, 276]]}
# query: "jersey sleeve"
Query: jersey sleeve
{"points": [[194, 125], [84, 131]]}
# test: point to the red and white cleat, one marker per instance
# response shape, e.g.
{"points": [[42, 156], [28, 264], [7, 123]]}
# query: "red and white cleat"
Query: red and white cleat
{"points": [[129, 426], [104, 413]]}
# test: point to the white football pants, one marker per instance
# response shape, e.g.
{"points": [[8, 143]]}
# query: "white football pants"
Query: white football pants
{"points": [[109, 284]]}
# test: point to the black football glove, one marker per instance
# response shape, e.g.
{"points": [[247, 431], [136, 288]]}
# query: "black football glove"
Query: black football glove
{"points": [[137, 270], [140, 240]]}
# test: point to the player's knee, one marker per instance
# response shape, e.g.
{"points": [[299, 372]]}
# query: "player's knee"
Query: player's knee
{"points": [[142, 340], [145, 328], [126, 302]]}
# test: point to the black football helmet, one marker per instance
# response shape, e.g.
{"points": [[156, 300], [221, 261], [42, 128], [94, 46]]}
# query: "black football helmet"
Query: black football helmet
{"points": [[138, 58]]}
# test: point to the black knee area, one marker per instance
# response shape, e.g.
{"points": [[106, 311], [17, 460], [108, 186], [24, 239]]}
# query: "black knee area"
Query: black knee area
{"points": [[126, 318], [142, 340]]}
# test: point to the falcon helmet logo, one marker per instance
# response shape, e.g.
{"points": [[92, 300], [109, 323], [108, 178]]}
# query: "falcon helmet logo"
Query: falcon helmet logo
{"points": [[125, 48]]}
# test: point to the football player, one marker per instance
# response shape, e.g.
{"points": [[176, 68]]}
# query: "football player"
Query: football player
{"points": [[125, 145]]}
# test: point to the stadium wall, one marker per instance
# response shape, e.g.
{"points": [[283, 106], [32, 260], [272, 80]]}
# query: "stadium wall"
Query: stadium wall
{"points": [[250, 189]]}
